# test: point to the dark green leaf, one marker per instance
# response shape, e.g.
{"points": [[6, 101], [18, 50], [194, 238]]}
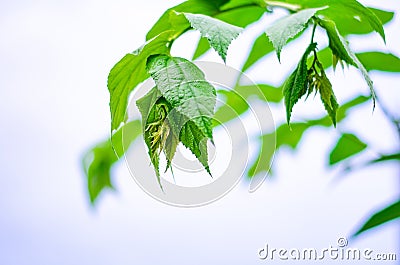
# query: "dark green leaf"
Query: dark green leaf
{"points": [[296, 85], [288, 27], [183, 85], [390, 213], [98, 161], [348, 145], [129, 72], [379, 61], [219, 34]]}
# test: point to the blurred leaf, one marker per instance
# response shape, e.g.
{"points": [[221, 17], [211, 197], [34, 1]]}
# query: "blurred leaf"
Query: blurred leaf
{"points": [[98, 161], [347, 146], [236, 100], [385, 62], [288, 27], [266, 152], [389, 213], [261, 47], [296, 85], [202, 47], [233, 4], [384, 158], [219, 33]]}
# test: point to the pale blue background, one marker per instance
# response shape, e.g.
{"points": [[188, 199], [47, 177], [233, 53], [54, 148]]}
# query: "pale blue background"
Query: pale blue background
{"points": [[55, 57]]}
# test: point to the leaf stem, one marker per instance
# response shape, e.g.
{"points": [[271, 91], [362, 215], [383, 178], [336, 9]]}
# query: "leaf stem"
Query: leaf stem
{"points": [[313, 31]]}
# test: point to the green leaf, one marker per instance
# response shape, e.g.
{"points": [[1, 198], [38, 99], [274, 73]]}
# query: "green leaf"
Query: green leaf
{"points": [[184, 86], [97, 162], [328, 97], [350, 16], [192, 6], [202, 47], [296, 85], [390, 213], [379, 61], [288, 27], [239, 14], [131, 71], [336, 42], [348, 145], [385, 158], [219, 34], [342, 50], [261, 47], [193, 138]]}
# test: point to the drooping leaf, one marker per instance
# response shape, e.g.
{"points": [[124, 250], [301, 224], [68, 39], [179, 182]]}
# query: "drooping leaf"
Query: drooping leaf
{"points": [[343, 51], [183, 85], [379, 61], [348, 145], [131, 71], [97, 162], [328, 97], [219, 34], [296, 85], [239, 14], [350, 16], [390, 213], [291, 137], [336, 42], [288, 27]]}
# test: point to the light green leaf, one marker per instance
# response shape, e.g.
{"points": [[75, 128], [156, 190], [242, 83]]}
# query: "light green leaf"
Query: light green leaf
{"points": [[261, 47], [205, 7], [202, 47], [336, 42], [240, 14], [390, 213], [350, 16], [296, 85], [347, 146], [184, 86], [379, 61], [288, 27], [131, 71], [343, 51], [219, 34], [98, 161]]}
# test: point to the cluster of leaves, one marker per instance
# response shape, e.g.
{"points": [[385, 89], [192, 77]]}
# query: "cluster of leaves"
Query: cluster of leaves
{"points": [[181, 105]]}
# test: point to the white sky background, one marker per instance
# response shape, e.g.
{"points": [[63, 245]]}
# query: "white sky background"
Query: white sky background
{"points": [[55, 58]]}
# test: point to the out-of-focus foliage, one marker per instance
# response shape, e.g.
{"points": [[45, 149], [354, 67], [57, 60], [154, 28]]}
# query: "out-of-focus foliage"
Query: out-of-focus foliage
{"points": [[220, 22]]}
